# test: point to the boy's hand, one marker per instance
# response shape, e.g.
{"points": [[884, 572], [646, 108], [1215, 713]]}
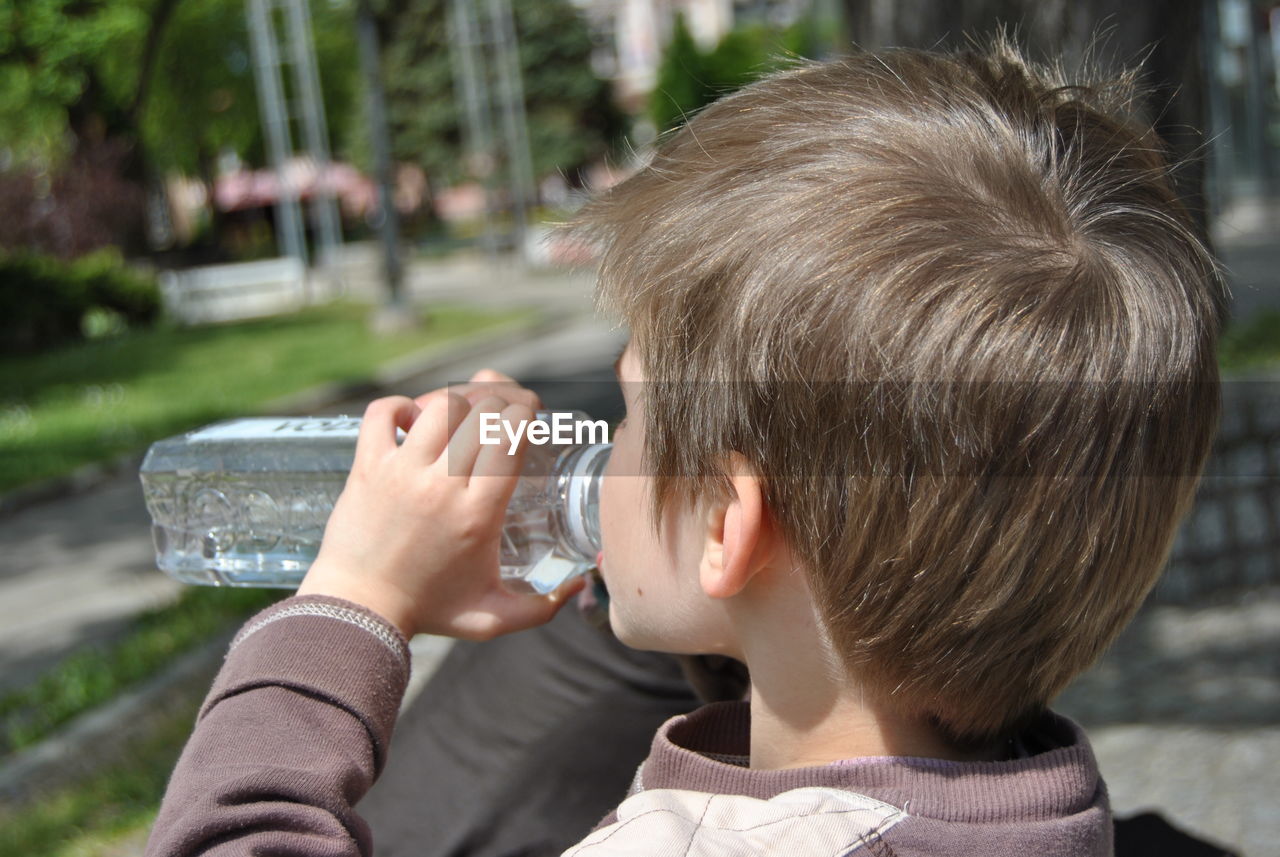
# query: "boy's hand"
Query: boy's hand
{"points": [[414, 535]]}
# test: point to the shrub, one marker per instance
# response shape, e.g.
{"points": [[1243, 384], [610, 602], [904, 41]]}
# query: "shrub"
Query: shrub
{"points": [[45, 302], [87, 202]]}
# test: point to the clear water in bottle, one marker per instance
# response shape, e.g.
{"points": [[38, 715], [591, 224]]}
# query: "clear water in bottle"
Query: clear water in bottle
{"points": [[245, 502]]}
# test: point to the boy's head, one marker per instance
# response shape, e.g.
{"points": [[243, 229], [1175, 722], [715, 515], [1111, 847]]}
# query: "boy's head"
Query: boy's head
{"points": [[950, 311]]}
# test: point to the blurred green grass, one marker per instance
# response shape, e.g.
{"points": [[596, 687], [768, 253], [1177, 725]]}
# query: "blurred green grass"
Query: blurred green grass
{"points": [[93, 401], [110, 811], [96, 674]]}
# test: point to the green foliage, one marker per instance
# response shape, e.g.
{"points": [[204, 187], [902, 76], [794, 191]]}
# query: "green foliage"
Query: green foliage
{"points": [[571, 118], [684, 80], [204, 97], [49, 303], [689, 78], [1252, 344], [96, 675], [54, 54], [740, 57], [418, 80], [63, 60]]}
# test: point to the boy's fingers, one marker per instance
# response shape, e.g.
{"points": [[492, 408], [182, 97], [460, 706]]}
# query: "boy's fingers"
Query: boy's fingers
{"points": [[496, 461], [473, 392], [509, 390], [489, 376], [464, 444], [378, 428], [437, 422]]}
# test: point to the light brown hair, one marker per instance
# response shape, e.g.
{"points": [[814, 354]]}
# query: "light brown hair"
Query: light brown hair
{"points": [[950, 309]]}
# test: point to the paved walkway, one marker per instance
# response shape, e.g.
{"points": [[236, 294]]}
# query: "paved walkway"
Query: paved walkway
{"points": [[72, 572], [1184, 714]]}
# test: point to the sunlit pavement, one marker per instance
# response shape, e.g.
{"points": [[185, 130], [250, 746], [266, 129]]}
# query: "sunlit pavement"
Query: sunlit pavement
{"points": [[1184, 715]]}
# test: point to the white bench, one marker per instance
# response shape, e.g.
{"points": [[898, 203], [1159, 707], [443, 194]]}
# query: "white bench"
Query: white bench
{"points": [[238, 291]]}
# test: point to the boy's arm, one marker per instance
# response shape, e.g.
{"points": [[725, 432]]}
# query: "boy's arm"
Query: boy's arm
{"points": [[290, 737], [297, 725]]}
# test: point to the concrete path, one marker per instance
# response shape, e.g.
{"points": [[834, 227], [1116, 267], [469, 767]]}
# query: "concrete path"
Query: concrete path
{"points": [[73, 572], [1184, 715]]}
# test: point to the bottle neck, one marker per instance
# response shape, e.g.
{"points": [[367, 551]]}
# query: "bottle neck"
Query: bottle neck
{"points": [[584, 471]]}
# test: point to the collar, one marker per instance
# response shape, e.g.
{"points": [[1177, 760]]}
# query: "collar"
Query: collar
{"points": [[695, 751]]}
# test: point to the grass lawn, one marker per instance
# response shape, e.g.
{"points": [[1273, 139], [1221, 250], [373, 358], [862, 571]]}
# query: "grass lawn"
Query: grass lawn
{"points": [[109, 813], [93, 401], [95, 674]]}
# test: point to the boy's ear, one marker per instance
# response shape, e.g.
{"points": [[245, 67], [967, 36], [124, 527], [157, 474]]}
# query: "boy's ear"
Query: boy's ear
{"points": [[739, 538]]}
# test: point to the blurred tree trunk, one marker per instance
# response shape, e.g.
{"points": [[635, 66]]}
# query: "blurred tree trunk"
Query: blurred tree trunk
{"points": [[206, 162], [160, 15], [1166, 37], [100, 120]]}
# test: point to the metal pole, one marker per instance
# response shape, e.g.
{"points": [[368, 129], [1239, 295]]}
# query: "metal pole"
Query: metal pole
{"points": [[1217, 112], [367, 33], [1257, 75], [473, 94], [522, 157], [511, 92], [324, 211], [275, 121]]}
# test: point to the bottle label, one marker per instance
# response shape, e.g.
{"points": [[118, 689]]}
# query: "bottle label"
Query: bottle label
{"points": [[268, 428]]}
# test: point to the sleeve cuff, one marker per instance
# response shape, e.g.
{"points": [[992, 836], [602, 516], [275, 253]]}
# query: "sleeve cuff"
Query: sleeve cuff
{"points": [[335, 650]]}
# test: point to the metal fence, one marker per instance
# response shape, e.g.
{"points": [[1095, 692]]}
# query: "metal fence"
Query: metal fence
{"points": [[1230, 543]]}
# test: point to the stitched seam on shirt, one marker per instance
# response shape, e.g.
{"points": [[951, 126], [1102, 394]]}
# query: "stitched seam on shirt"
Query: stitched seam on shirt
{"points": [[816, 814], [875, 834], [874, 838], [698, 826], [329, 611]]}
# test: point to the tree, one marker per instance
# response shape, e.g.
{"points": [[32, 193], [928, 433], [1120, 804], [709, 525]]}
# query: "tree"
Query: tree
{"points": [[69, 72], [125, 90], [570, 114], [689, 79], [204, 97], [684, 81]]}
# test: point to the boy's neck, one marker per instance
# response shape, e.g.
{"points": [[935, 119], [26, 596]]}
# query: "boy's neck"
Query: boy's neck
{"points": [[807, 710], [787, 733]]}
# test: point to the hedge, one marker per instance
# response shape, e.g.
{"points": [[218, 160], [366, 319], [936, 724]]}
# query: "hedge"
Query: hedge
{"points": [[45, 302]]}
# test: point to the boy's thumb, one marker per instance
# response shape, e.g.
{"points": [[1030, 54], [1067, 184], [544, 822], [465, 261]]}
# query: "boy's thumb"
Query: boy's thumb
{"points": [[529, 611]]}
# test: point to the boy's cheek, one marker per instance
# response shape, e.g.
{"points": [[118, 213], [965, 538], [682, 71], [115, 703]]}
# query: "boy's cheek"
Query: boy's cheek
{"points": [[631, 629]]}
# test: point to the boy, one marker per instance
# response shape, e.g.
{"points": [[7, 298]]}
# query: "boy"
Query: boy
{"points": [[921, 379]]}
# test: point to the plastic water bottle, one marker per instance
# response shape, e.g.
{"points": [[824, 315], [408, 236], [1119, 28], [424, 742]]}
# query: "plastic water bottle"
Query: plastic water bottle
{"points": [[245, 502]]}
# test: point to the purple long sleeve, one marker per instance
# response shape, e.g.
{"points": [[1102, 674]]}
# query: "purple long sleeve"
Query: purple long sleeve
{"points": [[292, 735], [298, 723]]}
